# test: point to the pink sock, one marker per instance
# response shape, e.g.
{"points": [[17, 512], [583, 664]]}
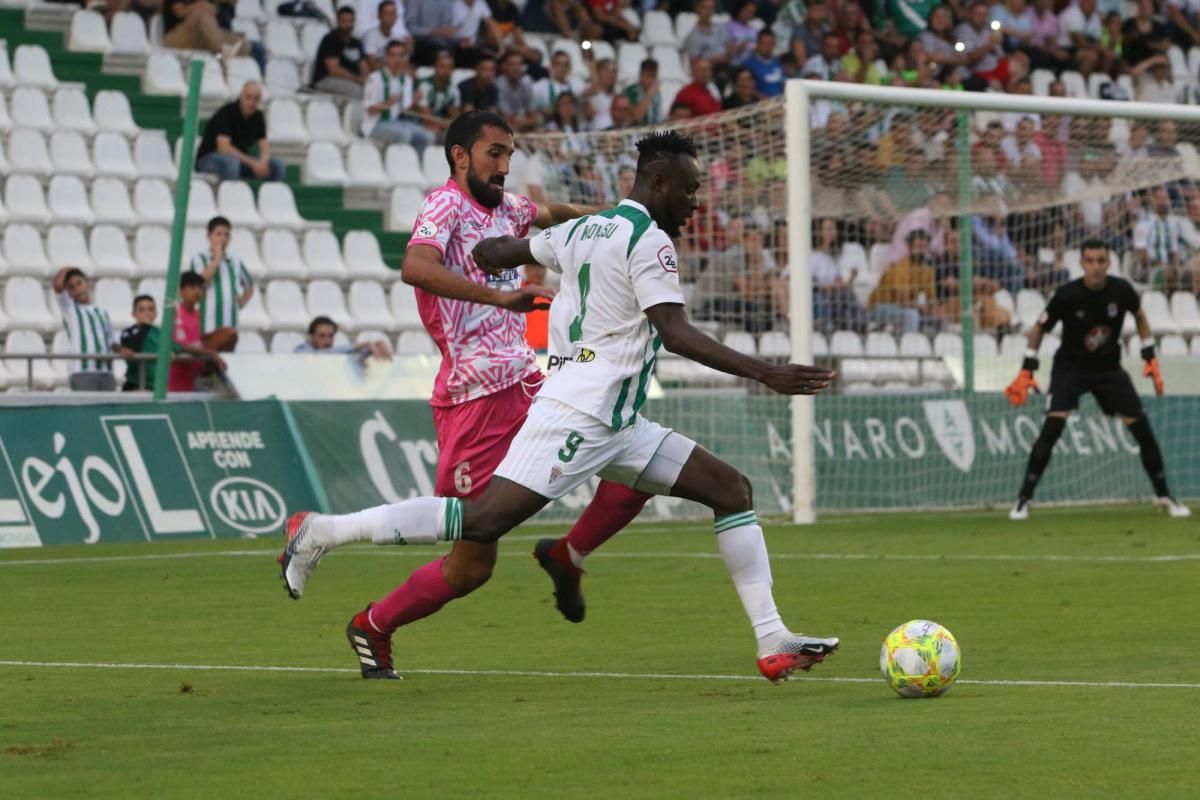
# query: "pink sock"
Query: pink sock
{"points": [[613, 507], [422, 594]]}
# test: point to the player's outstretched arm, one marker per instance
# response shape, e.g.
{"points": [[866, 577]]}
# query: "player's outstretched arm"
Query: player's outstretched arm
{"points": [[498, 253], [1149, 355], [552, 214], [683, 339], [423, 268]]}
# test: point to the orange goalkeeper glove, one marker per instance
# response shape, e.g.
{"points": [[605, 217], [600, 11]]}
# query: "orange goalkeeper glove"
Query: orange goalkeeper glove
{"points": [[1151, 369], [1018, 391]]}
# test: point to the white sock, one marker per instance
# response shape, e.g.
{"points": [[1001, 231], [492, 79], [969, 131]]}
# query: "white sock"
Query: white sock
{"points": [[422, 520], [576, 556], [745, 553]]}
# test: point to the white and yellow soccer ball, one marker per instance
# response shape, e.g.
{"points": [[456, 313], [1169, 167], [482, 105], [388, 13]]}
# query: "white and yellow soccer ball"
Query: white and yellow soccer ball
{"points": [[920, 659]]}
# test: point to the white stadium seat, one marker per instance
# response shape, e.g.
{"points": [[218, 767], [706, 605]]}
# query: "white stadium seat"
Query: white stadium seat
{"points": [[69, 152], [212, 81], [277, 205], [88, 33], [323, 122], [115, 297], [112, 113], [163, 75], [325, 300], [670, 69], [25, 201], [404, 306], [244, 246], [947, 344], [286, 342], [845, 343], [363, 258], [324, 256], [1158, 313], [1186, 312], [30, 109], [24, 252], [152, 155], [202, 206], [285, 304], [415, 343], [1173, 345], [1050, 345], [111, 155], [368, 306], [26, 341], [282, 77], [311, 34], [403, 166], [915, 344], [775, 344], [7, 81], [405, 205], [657, 29], [5, 168], [323, 165], [31, 67], [742, 342], [66, 247], [253, 315], [152, 250], [153, 201], [281, 257], [630, 56], [110, 202], [249, 342], [235, 201], [128, 34], [25, 302], [71, 111], [280, 40], [110, 253], [1030, 304], [69, 201], [1012, 346], [6, 122], [364, 165], [240, 71], [28, 153], [985, 346]]}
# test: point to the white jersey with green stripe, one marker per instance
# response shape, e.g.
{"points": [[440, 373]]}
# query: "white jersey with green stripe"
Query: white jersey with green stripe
{"points": [[615, 264], [219, 308], [90, 331]]}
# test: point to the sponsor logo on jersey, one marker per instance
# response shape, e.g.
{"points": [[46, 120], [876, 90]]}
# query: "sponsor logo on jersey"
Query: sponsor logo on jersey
{"points": [[1112, 310], [426, 230], [668, 259], [1080, 313], [584, 356], [555, 473], [1097, 337]]}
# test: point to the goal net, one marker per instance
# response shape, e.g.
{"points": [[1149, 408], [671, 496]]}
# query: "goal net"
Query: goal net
{"points": [[803, 249]]}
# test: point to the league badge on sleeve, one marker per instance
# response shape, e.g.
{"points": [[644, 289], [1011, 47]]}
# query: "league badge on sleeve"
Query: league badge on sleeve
{"points": [[426, 230], [667, 258]]}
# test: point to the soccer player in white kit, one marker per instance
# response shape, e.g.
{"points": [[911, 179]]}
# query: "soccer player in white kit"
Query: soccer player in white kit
{"points": [[620, 289]]}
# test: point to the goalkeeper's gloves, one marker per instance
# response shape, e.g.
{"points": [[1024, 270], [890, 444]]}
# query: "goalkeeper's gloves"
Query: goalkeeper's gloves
{"points": [[1018, 391], [1151, 369]]}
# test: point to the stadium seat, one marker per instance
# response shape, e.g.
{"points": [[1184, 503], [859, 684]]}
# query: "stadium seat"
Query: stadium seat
{"points": [[280, 39], [1041, 79], [324, 299], [1030, 304], [88, 33], [27, 341], [658, 29], [5, 168], [915, 345], [1172, 345], [415, 343], [602, 49], [253, 315], [404, 307], [152, 250], [128, 34], [24, 252], [153, 202], [69, 152], [1074, 84], [163, 75], [1178, 61], [1096, 83], [28, 154], [433, 163], [579, 67], [285, 303], [323, 165], [71, 111], [405, 205], [7, 81], [115, 297], [212, 81], [364, 166], [24, 199], [31, 67], [241, 70], [1004, 299], [281, 257], [286, 342], [403, 166], [202, 206], [243, 244], [66, 247], [195, 240], [110, 253], [774, 344], [277, 206], [112, 113], [629, 61], [742, 342], [110, 153], [323, 122], [152, 155], [670, 69], [6, 122], [26, 304], [947, 344], [368, 306], [363, 259], [820, 345], [985, 346], [249, 342], [1158, 313], [1012, 347], [110, 202], [311, 34], [323, 256], [282, 77], [1186, 313], [235, 201], [845, 343], [30, 109]]}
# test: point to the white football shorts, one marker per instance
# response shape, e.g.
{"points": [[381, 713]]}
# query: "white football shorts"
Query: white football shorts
{"points": [[559, 448]]}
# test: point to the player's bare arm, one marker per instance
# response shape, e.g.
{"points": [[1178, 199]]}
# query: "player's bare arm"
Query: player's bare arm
{"points": [[552, 214], [423, 268], [683, 339]]}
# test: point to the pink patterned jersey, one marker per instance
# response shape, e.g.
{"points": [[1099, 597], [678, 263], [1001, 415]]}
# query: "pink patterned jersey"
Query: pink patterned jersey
{"points": [[483, 347]]}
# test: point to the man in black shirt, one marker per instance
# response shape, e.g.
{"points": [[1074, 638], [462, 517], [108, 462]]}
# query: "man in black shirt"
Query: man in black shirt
{"points": [[481, 93], [1092, 310], [341, 66], [230, 135]]}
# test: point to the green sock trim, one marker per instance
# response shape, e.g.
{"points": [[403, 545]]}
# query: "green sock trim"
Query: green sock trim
{"points": [[452, 521], [739, 520]]}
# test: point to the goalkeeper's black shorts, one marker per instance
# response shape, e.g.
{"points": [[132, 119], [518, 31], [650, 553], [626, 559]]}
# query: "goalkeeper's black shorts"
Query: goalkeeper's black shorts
{"points": [[1113, 390]]}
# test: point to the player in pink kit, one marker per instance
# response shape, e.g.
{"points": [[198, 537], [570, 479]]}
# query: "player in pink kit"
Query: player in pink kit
{"points": [[484, 387]]}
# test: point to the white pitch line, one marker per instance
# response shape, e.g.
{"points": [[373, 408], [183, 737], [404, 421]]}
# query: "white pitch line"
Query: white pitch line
{"points": [[515, 673], [418, 552]]}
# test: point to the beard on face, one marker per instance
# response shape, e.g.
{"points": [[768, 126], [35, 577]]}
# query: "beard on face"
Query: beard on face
{"points": [[489, 194]]}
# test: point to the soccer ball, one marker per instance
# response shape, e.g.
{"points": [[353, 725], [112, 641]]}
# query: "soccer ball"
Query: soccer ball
{"points": [[920, 659]]}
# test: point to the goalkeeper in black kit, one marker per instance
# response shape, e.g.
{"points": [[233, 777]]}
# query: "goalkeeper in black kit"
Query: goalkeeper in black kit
{"points": [[1092, 310]]}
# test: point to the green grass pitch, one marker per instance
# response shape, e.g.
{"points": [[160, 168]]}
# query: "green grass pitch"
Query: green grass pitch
{"points": [[1078, 631]]}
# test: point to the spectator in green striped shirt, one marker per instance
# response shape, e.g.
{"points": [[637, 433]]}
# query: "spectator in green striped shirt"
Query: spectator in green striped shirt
{"points": [[438, 101], [89, 329], [228, 287]]}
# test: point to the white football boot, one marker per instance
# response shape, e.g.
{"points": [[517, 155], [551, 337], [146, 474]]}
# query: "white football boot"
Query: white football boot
{"points": [[1020, 510], [1175, 509]]}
